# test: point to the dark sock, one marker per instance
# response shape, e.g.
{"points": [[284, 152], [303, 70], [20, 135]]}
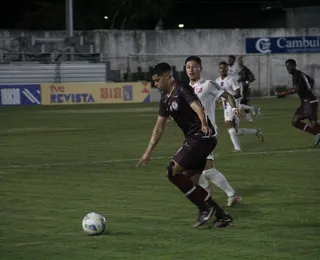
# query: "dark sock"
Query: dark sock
{"points": [[193, 193], [218, 211], [304, 127], [316, 128]]}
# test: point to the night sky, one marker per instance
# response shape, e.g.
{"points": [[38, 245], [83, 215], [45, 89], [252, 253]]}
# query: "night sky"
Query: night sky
{"points": [[202, 14]]}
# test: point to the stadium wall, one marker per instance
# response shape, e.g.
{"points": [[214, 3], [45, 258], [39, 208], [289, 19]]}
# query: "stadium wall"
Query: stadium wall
{"points": [[126, 51]]}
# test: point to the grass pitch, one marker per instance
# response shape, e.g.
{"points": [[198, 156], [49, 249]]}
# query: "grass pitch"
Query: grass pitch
{"points": [[59, 163]]}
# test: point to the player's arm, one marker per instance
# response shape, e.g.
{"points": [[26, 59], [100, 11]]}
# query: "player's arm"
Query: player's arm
{"points": [[218, 94], [196, 106], [286, 93], [154, 140], [156, 133], [309, 81], [236, 88], [191, 98], [158, 129], [230, 99]]}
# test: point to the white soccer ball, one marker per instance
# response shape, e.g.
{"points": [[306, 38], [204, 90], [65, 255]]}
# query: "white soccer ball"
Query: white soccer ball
{"points": [[94, 224]]}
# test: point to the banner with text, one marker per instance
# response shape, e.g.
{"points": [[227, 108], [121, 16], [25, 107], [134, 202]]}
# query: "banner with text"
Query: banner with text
{"points": [[20, 95], [95, 93], [283, 44]]}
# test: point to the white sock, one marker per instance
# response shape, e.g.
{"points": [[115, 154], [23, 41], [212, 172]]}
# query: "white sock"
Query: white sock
{"points": [[245, 107], [247, 131], [234, 138], [218, 179], [249, 117], [204, 183]]}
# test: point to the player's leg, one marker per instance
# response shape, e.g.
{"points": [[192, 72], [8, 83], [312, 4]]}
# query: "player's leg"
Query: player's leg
{"points": [[190, 156], [194, 193], [211, 174], [223, 219], [312, 113], [297, 120], [251, 131], [228, 117], [244, 104], [247, 131]]}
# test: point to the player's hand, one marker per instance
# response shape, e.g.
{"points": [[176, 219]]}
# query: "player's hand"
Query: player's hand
{"points": [[280, 94], [145, 158], [206, 130]]}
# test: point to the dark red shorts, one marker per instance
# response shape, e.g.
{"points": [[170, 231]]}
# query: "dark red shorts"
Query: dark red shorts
{"points": [[308, 110], [193, 154]]}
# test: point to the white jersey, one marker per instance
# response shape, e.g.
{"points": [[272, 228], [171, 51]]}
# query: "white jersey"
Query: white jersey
{"points": [[208, 92], [233, 71], [228, 84]]}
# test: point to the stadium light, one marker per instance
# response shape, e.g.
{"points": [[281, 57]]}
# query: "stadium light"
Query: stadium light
{"points": [[181, 25], [106, 17]]}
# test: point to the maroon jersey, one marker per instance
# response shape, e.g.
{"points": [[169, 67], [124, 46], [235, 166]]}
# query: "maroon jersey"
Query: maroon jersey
{"points": [[178, 107], [303, 85]]}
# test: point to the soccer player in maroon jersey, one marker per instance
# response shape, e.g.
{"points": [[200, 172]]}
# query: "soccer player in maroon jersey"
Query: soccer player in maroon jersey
{"points": [[303, 85], [183, 105]]}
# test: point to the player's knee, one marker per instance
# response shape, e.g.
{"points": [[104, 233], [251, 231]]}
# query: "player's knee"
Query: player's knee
{"points": [[294, 121], [229, 124], [170, 170]]}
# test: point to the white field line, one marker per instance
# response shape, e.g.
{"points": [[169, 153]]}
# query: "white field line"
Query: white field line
{"points": [[9, 166]]}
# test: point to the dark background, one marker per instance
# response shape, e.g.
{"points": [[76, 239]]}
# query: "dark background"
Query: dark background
{"points": [[144, 14]]}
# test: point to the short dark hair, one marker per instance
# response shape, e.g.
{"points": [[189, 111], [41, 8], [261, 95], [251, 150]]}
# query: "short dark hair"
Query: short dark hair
{"points": [[161, 68], [223, 63], [292, 61], [193, 58], [232, 56]]}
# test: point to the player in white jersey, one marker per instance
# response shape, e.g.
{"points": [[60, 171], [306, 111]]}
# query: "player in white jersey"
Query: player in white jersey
{"points": [[228, 84], [233, 67], [208, 93]]}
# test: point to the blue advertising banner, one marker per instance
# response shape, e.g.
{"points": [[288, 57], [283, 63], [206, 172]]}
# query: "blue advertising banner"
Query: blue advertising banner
{"points": [[20, 95], [283, 44]]}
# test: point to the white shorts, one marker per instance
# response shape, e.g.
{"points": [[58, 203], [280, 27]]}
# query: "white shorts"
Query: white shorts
{"points": [[210, 156], [228, 114]]}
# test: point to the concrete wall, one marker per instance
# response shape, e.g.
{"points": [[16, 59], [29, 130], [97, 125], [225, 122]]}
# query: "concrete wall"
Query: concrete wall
{"points": [[127, 50]]}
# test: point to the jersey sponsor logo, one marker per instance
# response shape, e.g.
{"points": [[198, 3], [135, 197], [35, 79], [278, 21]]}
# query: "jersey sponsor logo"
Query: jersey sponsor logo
{"points": [[202, 82], [198, 90], [174, 106]]}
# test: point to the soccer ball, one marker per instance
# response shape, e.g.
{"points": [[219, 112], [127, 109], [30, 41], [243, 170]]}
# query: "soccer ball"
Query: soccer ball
{"points": [[94, 224]]}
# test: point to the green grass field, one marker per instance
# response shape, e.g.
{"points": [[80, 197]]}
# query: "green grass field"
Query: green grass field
{"points": [[58, 163]]}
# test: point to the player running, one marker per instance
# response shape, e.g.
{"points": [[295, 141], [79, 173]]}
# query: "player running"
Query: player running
{"points": [[184, 169], [228, 84], [244, 80], [206, 92], [303, 85]]}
